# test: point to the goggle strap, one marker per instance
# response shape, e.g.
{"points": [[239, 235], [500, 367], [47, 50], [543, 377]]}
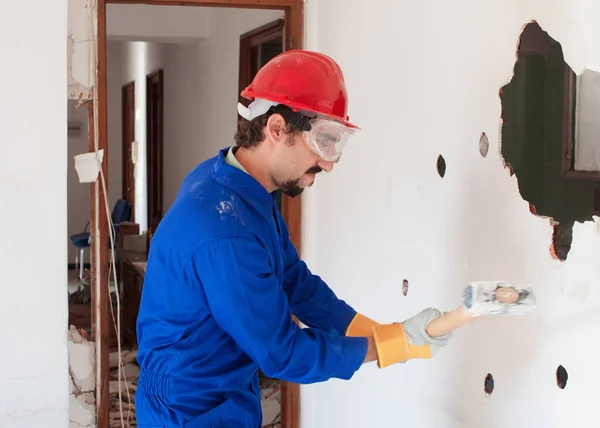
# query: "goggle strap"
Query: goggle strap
{"points": [[293, 118]]}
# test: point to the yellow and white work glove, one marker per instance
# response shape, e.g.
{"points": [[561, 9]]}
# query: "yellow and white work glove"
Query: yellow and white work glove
{"points": [[400, 342]]}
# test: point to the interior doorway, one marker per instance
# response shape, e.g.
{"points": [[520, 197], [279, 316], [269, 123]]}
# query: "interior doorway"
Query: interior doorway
{"points": [[128, 125], [154, 148], [289, 35]]}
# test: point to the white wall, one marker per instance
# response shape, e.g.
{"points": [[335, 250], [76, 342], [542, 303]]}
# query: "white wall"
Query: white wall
{"points": [[424, 80], [33, 184], [201, 93], [184, 115]]}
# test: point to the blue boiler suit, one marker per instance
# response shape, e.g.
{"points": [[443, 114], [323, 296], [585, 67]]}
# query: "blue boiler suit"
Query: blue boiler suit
{"points": [[222, 282]]}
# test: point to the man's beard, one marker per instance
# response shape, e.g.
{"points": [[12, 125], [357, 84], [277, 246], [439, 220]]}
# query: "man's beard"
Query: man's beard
{"points": [[292, 187]]}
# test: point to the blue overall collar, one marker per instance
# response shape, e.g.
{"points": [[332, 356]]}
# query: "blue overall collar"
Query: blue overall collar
{"points": [[244, 185]]}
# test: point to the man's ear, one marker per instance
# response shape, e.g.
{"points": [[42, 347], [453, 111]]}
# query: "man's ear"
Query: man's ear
{"points": [[275, 128]]}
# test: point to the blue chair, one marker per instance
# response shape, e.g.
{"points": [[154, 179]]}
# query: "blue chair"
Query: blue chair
{"points": [[121, 212]]}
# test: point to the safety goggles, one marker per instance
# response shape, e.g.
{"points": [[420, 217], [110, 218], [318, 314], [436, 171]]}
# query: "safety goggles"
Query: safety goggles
{"points": [[327, 138], [324, 137]]}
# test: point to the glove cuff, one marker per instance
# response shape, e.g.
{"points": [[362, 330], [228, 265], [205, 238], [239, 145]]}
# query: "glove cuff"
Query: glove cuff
{"points": [[361, 326], [392, 345]]}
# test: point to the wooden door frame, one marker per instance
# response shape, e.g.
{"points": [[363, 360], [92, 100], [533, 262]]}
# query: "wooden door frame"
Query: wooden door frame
{"points": [[250, 40], [291, 210], [157, 74], [125, 144]]}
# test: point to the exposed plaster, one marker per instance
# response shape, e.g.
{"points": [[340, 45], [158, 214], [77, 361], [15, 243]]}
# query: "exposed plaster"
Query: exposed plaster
{"points": [[82, 381], [77, 90], [81, 49]]}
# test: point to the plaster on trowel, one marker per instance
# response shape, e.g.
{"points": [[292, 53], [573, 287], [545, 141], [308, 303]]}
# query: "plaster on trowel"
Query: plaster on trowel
{"points": [[484, 298]]}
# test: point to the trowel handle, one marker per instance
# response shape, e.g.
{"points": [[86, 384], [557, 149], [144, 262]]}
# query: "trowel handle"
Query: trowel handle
{"points": [[450, 321]]}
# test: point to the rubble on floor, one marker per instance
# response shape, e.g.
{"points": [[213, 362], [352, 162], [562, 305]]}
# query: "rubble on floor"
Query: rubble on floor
{"points": [[130, 374], [270, 397], [82, 380]]}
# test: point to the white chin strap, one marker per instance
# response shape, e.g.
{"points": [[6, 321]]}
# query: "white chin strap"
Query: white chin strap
{"points": [[256, 108]]}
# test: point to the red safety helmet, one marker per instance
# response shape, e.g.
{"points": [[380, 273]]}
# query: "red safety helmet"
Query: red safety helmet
{"points": [[303, 80]]}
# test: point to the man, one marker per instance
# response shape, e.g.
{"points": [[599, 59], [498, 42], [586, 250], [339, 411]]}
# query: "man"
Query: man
{"points": [[223, 279]]}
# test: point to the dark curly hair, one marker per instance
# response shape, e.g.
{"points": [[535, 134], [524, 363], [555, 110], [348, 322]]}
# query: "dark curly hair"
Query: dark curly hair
{"points": [[251, 133]]}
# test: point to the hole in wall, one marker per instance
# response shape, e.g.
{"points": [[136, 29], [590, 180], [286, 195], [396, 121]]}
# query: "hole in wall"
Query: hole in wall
{"points": [[484, 145], [441, 166], [538, 138], [405, 286], [488, 384], [561, 377], [562, 237]]}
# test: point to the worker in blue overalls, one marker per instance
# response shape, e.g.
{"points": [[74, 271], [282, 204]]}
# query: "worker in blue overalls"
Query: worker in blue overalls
{"points": [[223, 279]]}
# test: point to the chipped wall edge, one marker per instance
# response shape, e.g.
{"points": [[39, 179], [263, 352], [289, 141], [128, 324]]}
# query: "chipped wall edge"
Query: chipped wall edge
{"points": [[81, 49]]}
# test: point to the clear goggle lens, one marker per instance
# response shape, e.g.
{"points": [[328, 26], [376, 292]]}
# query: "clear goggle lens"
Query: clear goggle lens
{"points": [[327, 138]]}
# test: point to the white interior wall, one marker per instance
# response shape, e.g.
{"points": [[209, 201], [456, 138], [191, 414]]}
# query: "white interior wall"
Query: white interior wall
{"points": [[184, 110], [424, 81], [33, 184]]}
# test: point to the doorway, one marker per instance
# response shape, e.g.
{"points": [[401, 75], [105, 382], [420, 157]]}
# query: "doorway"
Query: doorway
{"points": [[128, 112], [154, 148], [290, 37]]}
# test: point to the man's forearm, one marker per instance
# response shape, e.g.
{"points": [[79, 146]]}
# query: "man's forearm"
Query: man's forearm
{"points": [[371, 350]]}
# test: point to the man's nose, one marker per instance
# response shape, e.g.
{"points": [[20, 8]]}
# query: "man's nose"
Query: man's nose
{"points": [[325, 165]]}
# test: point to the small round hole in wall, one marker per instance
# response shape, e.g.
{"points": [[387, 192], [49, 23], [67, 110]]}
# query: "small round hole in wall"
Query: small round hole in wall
{"points": [[484, 145], [561, 377], [405, 286], [441, 166], [488, 384]]}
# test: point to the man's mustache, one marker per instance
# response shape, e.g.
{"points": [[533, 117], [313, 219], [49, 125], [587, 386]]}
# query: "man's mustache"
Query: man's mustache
{"points": [[314, 170]]}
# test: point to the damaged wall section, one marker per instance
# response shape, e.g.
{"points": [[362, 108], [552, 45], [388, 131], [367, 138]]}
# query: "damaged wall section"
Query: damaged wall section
{"points": [[81, 49], [82, 380], [538, 133]]}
